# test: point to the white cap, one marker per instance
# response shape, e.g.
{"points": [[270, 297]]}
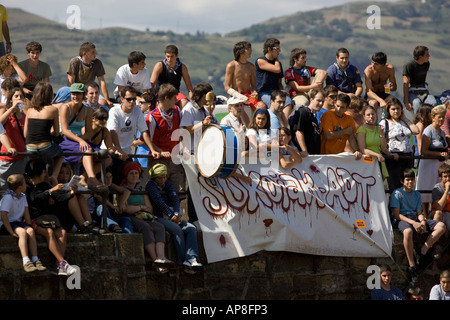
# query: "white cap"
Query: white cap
{"points": [[234, 100]]}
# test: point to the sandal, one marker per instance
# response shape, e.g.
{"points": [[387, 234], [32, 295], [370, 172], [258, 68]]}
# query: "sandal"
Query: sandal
{"points": [[91, 228], [95, 185], [162, 261], [162, 270], [115, 228], [98, 188], [437, 251]]}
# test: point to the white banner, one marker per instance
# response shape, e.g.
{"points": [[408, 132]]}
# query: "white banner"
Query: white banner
{"points": [[327, 205]]}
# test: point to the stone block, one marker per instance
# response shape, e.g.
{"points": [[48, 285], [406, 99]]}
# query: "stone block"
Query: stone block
{"points": [[130, 246], [321, 263], [227, 286], [38, 286], [11, 260], [280, 261], [282, 286], [258, 288], [7, 286]]}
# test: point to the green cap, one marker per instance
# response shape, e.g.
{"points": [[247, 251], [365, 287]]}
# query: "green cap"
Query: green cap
{"points": [[157, 170], [77, 87]]}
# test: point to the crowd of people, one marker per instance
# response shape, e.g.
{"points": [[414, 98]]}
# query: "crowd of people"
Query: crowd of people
{"points": [[386, 291], [51, 138]]}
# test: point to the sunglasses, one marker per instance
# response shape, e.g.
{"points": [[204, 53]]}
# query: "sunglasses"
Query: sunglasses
{"points": [[130, 99]]}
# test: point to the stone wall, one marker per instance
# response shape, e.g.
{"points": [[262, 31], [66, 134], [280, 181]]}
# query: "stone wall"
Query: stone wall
{"points": [[114, 267]]}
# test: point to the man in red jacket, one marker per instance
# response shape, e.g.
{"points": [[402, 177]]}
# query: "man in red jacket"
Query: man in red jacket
{"points": [[163, 123]]}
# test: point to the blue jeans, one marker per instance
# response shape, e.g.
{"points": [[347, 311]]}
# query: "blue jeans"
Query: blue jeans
{"points": [[416, 102], [123, 222], [47, 154], [265, 97], [184, 237]]}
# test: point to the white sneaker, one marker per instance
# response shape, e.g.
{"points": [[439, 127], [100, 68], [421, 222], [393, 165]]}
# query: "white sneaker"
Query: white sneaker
{"points": [[192, 263], [66, 269]]}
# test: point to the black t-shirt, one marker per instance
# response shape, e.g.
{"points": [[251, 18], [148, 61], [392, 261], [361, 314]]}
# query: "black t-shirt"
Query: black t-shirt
{"points": [[305, 120], [417, 73]]}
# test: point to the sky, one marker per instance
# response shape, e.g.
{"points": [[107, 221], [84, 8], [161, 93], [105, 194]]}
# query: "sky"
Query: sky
{"points": [[179, 16]]}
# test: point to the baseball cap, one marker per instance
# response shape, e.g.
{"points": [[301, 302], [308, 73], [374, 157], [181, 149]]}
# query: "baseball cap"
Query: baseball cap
{"points": [[77, 87], [234, 100]]}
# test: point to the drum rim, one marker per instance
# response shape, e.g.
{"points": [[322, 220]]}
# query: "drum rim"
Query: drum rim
{"points": [[223, 156]]}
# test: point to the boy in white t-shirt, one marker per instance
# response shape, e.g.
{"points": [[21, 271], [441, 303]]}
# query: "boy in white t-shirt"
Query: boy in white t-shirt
{"points": [[133, 74], [16, 221]]}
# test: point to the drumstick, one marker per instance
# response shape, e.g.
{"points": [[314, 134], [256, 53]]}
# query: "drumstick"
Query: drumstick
{"points": [[210, 97]]}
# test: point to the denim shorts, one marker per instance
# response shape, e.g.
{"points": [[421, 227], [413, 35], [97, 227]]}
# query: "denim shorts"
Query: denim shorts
{"points": [[14, 226], [403, 225], [47, 153]]}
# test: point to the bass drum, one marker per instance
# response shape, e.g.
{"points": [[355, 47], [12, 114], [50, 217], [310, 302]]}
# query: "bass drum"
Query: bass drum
{"points": [[217, 152]]}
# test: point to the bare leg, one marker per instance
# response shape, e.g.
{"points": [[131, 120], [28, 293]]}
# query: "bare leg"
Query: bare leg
{"points": [[23, 241], [32, 244], [53, 246], [88, 165], [74, 208], [438, 215], [98, 165], [61, 236], [82, 203], [409, 246], [425, 208], [57, 164], [438, 231]]}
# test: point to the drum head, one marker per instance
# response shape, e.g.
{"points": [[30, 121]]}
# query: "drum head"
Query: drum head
{"points": [[210, 151]]}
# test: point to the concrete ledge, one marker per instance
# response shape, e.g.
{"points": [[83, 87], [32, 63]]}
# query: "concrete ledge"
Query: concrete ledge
{"points": [[115, 267]]}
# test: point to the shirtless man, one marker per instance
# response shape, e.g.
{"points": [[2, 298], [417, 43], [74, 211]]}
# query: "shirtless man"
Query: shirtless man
{"points": [[240, 79], [376, 75]]}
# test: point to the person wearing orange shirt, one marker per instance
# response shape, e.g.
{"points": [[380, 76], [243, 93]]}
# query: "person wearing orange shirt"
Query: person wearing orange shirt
{"points": [[338, 129]]}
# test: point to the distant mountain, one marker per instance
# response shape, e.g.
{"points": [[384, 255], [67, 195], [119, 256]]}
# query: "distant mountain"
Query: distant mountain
{"points": [[403, 25]]}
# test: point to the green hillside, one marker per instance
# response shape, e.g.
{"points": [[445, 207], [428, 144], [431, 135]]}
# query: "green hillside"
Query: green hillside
{"points": [[404, 25]]}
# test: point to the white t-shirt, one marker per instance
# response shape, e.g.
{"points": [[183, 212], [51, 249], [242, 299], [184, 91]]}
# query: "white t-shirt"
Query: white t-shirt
{"points": [[126, 125], [262, 136], [14, 206], [139, 81], [437, 293], [191, 115]]}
